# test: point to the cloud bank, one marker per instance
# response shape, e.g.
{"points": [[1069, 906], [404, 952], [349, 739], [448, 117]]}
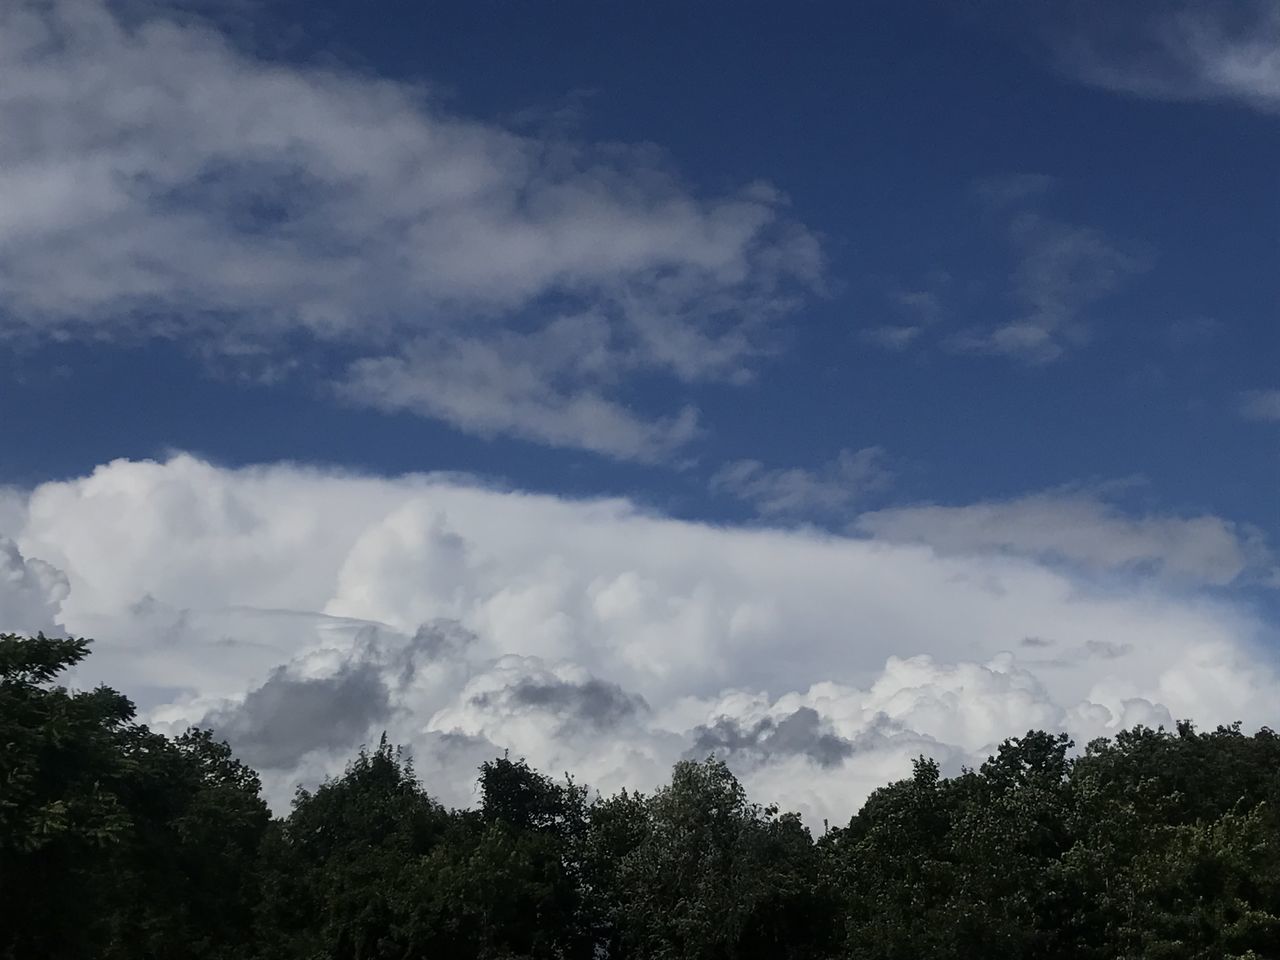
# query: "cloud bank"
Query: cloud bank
{"points": [[301, 612]]}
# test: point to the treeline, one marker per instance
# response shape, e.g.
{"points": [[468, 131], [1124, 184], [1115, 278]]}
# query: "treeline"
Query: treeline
{"points": [[117, 842]]}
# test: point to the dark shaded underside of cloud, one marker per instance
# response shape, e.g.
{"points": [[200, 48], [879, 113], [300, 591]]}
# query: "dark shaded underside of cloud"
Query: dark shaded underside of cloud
{"points": [[799, 734], [288, 716]]}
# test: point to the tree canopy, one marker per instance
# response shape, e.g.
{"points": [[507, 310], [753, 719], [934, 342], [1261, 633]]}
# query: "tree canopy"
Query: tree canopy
{"points": [[116, 841]]}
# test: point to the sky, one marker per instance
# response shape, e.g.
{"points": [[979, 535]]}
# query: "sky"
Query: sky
{"points": [[819, 385]]}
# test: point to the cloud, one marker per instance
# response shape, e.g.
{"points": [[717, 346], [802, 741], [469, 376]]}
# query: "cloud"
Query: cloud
{"points": [[1038, 307], [302, 610], [800, 734], [1013, 190], [1083, 530], [892, 336], [332, 699], [262, 212], [925, 305], [778, 491], [592, 700], [288, 717], [509, 386], [589, 701], [1260, 405], [1061, 270], [30, 592], [915, 310], [13, 510], [1182, 52]]}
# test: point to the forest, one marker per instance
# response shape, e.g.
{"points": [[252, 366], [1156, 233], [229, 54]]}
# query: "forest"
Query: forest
{"points": [[117, 841]]}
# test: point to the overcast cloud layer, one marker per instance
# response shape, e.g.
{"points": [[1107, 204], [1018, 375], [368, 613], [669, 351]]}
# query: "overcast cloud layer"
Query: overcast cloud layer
{"points": [[300, 613]]}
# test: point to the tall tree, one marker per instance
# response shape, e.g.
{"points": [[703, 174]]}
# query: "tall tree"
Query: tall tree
{"points": [[115, 841]]}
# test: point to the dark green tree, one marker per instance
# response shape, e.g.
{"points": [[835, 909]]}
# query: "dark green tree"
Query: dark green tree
{"points": [[118, 842], [704, 873], [334, 873], [115, 841]]}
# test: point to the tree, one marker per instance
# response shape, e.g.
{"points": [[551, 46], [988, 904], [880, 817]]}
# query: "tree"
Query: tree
{"points": [[710, 875], [333, 873], [60, 813], [115, 841]]}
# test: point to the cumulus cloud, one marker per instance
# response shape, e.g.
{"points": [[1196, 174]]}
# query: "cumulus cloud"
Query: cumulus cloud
{"points": [[301, 612], [335, 697], [1182, 51], [288, 716], [832, 488], [13, 510], [30, 591], [500, 281], [1081, 529], [590, 701], [800, 733]]}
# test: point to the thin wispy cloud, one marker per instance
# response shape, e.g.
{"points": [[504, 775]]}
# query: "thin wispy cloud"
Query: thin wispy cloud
{"points": [[914, 313], [1060, 272], [832, 488], [1183, 52], [893, 336], [1083, 529], [1260, 405], [178, 187], [1043, 301]]}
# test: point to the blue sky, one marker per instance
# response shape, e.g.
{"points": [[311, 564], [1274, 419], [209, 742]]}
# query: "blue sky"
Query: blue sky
{"points": [[999, 282], [881, 124]]}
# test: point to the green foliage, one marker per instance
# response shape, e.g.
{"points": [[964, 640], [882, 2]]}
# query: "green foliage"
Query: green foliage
{"points": [[63, 756], [118, 842], [115, 841], [698, 871], [333, 872]]}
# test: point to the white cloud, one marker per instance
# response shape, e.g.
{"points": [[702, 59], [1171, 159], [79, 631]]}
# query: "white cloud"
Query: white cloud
{"points": [[1260, 405], [178, 187], [1081, 529], [1184, 51], [509, 384], [593, 637], [13, 510], [832, 488]]}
